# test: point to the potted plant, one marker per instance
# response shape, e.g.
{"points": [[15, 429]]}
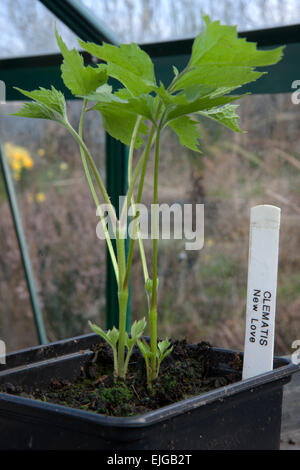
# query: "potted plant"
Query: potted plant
{"points": [[114, 390]]}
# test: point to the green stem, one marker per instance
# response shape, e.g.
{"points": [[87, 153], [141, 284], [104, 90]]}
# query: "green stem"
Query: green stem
{"points": [[95, 171], [144, 159], [142, 164], [153, 308], [123, 300], [127, 360], [115, 356], [149, 381], [140, 241], [94, 194], [120, 243]]}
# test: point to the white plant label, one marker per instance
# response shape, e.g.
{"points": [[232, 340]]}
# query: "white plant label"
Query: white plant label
{"points": [[261, 291]]}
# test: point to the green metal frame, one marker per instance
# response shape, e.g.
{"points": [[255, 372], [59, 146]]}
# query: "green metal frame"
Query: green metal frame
{"points": [[80, 20], [31, 72], [25, 257]]}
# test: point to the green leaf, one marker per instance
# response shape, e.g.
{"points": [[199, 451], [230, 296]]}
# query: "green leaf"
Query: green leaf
{"points": [[144, 105], [118, 117], [221, 44], [52, 99], [166, 353], [79, 79], [175, 70], [220, 58], [218, 75], [47, 104], [187, 130], [144, 348], [164, 349], [194, 99], [36, 111], [163, 345], [128, 63], [129, 342], [137, 328], [113, 335], [225, 115], [100, 332]]}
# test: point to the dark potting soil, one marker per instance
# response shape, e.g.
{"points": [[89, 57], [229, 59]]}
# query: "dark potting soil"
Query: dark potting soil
{"points": [[187, 371]]}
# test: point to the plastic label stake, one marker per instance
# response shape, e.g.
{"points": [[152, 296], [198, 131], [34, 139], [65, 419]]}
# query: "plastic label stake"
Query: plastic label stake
{"points": [[261, 291]]}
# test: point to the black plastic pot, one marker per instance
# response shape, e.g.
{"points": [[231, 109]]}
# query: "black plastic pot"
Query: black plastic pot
{"points": [[243, 415]]}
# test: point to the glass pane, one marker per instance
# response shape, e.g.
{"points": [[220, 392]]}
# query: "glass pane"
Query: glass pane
{"points": [[27, 28], [151, 21], [202, 294], [59, 218]]}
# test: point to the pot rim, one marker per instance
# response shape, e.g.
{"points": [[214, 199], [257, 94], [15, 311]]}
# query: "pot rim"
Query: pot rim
{"points": [[155, 416]]}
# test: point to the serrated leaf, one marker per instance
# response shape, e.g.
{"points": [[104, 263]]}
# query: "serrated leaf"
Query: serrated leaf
{"points": [[100, 332], [79, 79], [144, 105], [220, 58], [138, 328], [129, 342], [206, 91], [118, 117], [192, 100], [52, 99], [35, 111], [163, 345], [144, 348], [187, 130], [164, 350], [218, 75], [128, 63], [225, 115], [105, 88], [113, 335], [121, 125], [166, 353], [221, 44]]}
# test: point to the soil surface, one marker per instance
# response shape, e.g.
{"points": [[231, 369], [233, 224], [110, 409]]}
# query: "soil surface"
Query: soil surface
{"points": [[186, 372]]}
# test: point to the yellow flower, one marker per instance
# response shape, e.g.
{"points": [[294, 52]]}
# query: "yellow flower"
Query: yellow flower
{"points": [[63, 166], [41, 152], [210, 242], [27, 162], [40, 197], [16, 165], [18, 158]]}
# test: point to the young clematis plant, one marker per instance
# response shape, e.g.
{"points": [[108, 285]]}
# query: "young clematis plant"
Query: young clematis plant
{"points": [[136, 113]]}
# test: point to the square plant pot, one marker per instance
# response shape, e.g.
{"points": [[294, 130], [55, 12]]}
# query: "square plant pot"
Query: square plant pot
{"points": [[243, 415]]}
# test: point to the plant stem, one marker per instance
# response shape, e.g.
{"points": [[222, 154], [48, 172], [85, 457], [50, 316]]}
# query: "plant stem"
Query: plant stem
{"points": [[95, 197], [95, 171], [115, 356], [144, 158], [153, 308], [123, 300], [130, 160], [127, 360]]}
